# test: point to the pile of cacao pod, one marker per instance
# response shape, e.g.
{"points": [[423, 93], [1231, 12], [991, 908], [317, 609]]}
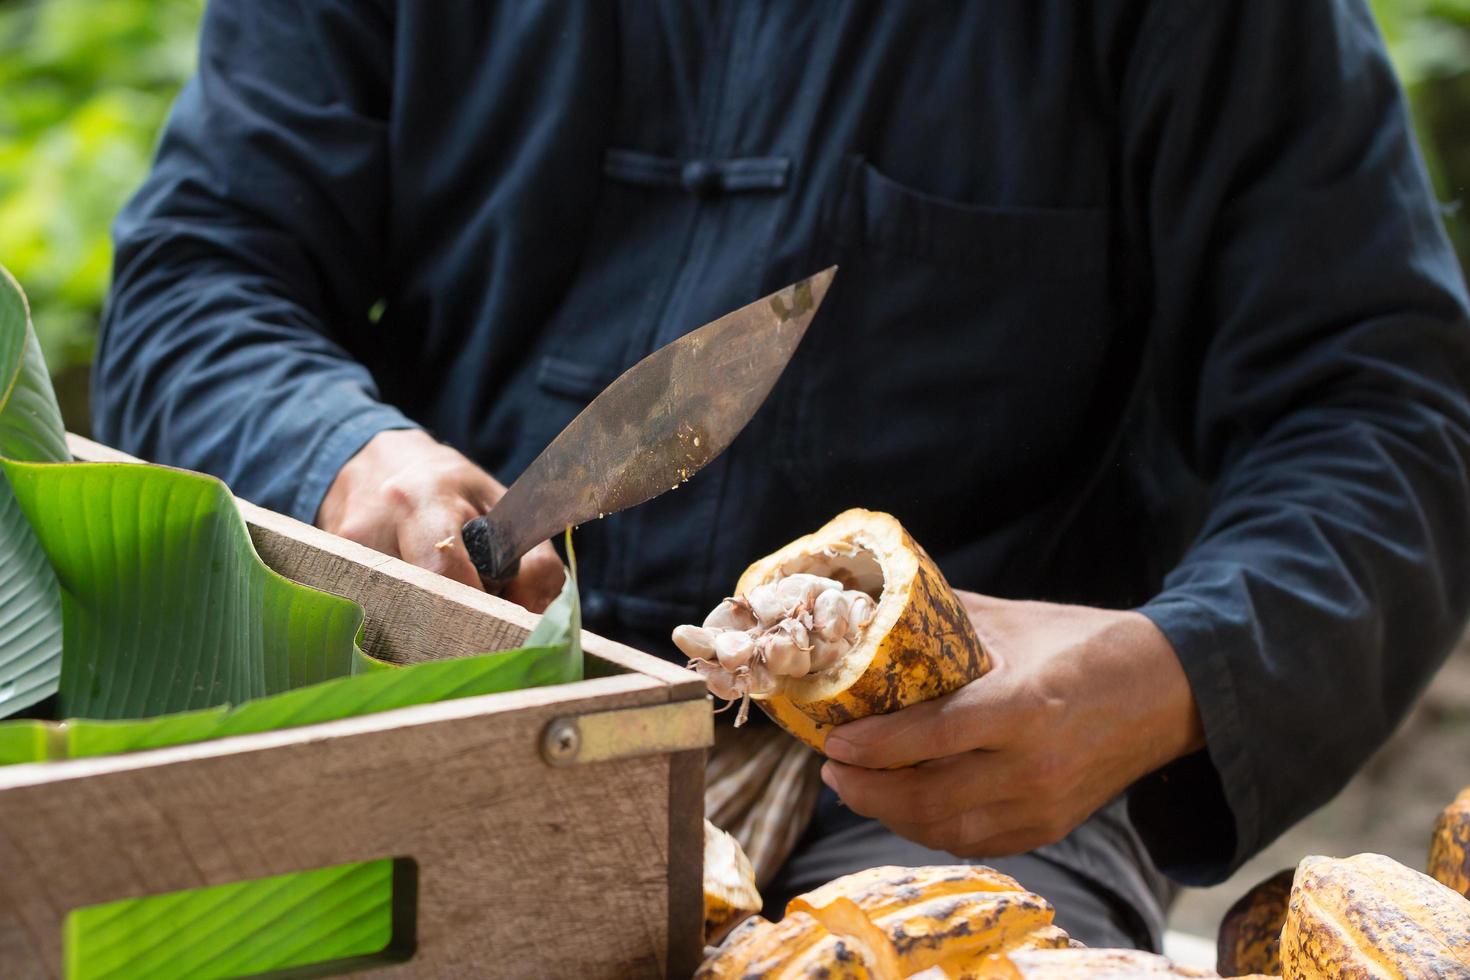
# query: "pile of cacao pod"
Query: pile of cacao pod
{"points": [[947, 922], [1363, 916], [1360, 917]]}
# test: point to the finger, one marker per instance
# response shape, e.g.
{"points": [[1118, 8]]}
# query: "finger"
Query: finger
{"points": [[481, 489], [431, 540], [540, 579], [375, 529], [973, 717], [927, 794]]}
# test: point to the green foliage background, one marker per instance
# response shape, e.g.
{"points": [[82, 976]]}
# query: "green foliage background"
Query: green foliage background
{"points": [[84, 89], [85, 86]]}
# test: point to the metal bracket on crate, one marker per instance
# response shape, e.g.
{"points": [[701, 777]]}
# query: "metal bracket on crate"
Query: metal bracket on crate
{"points": [[627, 733]]}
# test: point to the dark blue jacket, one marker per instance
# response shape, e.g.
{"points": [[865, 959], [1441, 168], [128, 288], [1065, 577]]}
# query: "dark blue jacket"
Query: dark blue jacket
{"points": [[1140, 304]]}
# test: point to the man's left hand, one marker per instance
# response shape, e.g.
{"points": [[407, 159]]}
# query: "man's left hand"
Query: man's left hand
{"points": [[1078, 704]]}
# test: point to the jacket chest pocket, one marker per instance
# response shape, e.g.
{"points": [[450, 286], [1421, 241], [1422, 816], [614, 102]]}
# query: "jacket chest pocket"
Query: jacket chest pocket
{"points": [[956, 353]]}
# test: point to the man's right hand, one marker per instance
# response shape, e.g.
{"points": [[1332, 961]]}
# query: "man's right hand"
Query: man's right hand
{"points": [[407, 495]]}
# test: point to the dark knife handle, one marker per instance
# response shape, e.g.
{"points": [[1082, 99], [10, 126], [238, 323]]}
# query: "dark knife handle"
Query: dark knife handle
{"points": [[490, 548]]}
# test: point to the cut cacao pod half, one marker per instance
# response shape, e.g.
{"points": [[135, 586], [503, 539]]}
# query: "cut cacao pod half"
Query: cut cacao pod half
{"points": [[796, 947], [1369, 916], [850, 621], [730, 894], [946, 916], [892, 922], [1449, 848]]}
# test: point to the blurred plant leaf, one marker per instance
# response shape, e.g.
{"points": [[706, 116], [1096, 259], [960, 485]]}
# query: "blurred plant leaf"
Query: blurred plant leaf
{"points": [[87, 86]]}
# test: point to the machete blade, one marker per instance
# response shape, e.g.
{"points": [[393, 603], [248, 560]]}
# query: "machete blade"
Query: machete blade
{"points": [[652, 429]]}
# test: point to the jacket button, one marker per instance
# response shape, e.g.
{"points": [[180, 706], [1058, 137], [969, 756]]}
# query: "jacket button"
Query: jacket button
{"points": [[596, 605], [700, 177]]}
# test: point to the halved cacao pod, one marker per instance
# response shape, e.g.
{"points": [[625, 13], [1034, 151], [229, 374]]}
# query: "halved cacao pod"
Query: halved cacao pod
{"points": [[889, 923], [1076, 964], [1250, 933], [729, 884], [918, 645], [1370, 917], [946, 916], [1449, 848], [797, 946]]}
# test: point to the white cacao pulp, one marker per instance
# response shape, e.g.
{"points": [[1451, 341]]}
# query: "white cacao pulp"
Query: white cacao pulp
{"points": [[793, 626]]}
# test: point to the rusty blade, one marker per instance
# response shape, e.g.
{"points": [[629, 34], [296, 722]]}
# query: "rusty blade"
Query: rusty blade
{"points": [[652, 429]]}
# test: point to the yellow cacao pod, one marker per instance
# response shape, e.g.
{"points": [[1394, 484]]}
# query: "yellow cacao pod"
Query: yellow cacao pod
{"points": [[1370, 918], [729, 884], [945, 916], [1250, 933], [892, 922], [1449, 848], [796, 947], [919, 644]]}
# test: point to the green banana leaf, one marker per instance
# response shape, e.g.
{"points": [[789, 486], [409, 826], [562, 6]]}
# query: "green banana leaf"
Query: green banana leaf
{"points": [[134, 593], [30, 429]]}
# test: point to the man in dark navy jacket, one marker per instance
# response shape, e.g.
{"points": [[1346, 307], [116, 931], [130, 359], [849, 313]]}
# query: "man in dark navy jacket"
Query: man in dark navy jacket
{"points": [[1144, 311]]}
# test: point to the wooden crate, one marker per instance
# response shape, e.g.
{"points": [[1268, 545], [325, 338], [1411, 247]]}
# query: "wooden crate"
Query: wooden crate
{"points": [[526, 867]]}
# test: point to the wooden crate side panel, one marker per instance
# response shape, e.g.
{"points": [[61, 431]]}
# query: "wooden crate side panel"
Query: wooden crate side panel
{"points": [[524, 869]]}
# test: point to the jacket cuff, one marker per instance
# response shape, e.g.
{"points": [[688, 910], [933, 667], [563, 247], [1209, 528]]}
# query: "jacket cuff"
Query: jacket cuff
{"points": [[1200, 815], [341, 442]]}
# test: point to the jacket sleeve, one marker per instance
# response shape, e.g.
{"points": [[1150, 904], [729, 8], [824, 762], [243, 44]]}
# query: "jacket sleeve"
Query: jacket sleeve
{"points": [[248, 262], [1311, 320]]}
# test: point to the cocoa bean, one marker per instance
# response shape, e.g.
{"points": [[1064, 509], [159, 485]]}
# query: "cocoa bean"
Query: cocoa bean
{"points": [[765, 602], [783, 657], [734, 649], [695, 642], [732, 614], [829, 617]]}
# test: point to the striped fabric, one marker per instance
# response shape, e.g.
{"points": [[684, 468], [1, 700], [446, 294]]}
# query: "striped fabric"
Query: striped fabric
{"points": [[761, 787]]}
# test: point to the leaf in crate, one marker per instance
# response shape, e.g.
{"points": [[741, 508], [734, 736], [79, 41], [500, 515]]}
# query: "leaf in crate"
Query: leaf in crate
{"points": [[348, 697], [26, 740], [165, 605], [30, 429], [558, 661]]}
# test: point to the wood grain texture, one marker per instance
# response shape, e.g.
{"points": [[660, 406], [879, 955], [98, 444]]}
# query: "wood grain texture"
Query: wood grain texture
{"points": [[686, 862], [524, 869], [413, 615]]}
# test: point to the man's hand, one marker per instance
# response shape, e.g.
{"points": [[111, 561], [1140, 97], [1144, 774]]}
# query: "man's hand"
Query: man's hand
{"points": [[1079, 703], [407, 495]]}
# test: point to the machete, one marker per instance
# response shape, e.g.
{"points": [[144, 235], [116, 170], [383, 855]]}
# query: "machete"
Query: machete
{"points": [[652, 429]]}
